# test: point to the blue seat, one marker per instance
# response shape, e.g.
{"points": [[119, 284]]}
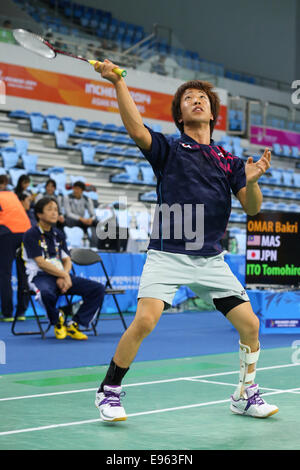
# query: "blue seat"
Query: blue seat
{"points": [[68, 124], [30, 165], [269, 206], [288, 177], [277, 149], [294, 208], [278, 193], [289, 194], [21, 146], [97, 125], [106, 137], [60, 178], [82, 123], [10, 157], [88, 154], [148, 176], [19, 114], [112, 163], [150, 196], [123, 139], [286, 151], [91, 135], [295, 152], [114, 150], [133, 152], [4, 137], [102, 148], [281, 206], [37, 122], [15, 174], [53, 123], [61, 140], [110, 128], [297, 180]]}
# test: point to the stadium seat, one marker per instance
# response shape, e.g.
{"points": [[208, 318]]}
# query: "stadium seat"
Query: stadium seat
{"points": [[102, 148], [289, 195], [53, 123], [114, 150], [21, 146], [297, 180], [61, 140], [288, 179], [10, 157], [294, 208], [37, 122], [295, 152], [133, 152], [4, 137], [15, 174], [97, 125], [60, 178], [286, 151], [30, 163], [112, 163], [88, 154], [282, 206], [106, 137], [19, 114], [277, 150], [150, 196], [148, 176], [68, 124]]}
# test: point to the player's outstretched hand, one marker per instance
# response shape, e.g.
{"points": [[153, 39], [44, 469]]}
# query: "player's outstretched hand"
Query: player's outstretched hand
{"points": [[255, 170], [106, 68]]}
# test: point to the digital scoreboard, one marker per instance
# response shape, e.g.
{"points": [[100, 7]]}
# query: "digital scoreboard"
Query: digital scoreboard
{"points": [[273, 249]]}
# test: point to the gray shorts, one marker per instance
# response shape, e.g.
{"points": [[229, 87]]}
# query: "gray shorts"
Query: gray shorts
{"points": [[209, 277]]}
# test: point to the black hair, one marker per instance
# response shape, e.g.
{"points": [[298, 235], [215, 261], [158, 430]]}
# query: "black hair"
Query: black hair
{"points": [[53, 182], [22, 179], [79, 184], [44, 201]]}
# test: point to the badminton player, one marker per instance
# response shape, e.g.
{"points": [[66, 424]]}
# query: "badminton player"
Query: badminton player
{"points": [[196, 177]]}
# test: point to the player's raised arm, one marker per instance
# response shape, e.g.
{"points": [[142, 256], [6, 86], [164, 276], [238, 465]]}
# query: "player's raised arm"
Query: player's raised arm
{"points": [[130, 115]]}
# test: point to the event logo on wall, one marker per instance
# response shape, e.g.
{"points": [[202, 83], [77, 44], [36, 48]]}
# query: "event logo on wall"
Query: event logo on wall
{"points": [[272, 254]]}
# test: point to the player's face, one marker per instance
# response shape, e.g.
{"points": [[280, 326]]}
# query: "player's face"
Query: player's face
{"points": [[50, 213], [195, 107]]}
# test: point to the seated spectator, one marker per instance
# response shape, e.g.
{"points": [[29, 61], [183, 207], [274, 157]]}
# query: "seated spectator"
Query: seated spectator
{"points": [[25, 199], [50, 188], [23, 185], [48, 266], [14, 223], [3, 182], [75, 207]]}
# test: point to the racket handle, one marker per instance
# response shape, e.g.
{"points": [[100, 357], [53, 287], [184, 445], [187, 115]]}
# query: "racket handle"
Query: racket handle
{"points": [[117, 70]]}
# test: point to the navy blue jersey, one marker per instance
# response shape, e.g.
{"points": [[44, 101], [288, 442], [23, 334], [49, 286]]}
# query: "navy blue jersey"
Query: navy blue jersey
{"points": [[51, 244], [190, 175]]}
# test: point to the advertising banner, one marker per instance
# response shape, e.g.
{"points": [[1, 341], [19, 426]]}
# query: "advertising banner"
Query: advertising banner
{"points": [[53, 87], [265, 136]]}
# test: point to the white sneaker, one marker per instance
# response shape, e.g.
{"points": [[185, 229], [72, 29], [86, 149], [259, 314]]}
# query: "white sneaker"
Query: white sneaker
{"points": [[253, 405], [109, 404]]}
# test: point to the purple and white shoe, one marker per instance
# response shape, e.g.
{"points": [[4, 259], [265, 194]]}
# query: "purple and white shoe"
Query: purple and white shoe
{"points": [[252, 405], [109, 405]]}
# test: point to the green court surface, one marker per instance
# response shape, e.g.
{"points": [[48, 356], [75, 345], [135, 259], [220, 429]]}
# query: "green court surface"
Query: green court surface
{"points": [[176, 404]]}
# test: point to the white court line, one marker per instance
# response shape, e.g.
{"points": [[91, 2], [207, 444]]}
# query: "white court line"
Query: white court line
{"points": [[143, 413], [218, 374], [234, 385]]}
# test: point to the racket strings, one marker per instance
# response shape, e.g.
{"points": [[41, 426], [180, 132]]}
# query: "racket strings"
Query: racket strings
{"points": [[34, 43]]}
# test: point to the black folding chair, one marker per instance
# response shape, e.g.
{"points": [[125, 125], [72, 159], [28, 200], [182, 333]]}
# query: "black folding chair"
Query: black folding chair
{"points": [[87, 257], [26, 291]]}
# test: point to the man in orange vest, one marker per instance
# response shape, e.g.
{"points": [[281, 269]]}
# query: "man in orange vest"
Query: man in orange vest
{"points": [[14, 222]]}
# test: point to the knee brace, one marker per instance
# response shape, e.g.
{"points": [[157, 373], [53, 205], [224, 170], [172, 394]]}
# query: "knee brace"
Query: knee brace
{"points": [[246, 358]]}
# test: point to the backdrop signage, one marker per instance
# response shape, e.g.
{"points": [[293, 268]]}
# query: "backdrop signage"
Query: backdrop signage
{"points": [[54, 87]]}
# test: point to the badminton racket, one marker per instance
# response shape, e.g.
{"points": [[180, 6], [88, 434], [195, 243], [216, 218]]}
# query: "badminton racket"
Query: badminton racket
{"points": [[40, 46]]}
